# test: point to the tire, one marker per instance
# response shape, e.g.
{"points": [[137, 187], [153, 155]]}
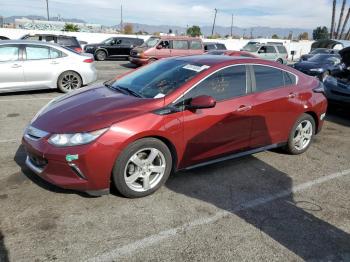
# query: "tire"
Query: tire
{"points": [[100, 55], [69, 81], [151, 60], [301, 136], [134, 167], [280, 61]]}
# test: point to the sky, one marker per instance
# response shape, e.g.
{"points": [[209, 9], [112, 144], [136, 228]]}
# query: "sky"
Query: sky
{"points": [[247, 13]]}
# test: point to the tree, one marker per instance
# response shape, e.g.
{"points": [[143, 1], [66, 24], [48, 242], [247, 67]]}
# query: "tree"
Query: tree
{"points": [[304, 36], [320, 33], [274, 36], [71, 28], [194, 31], [128, 29]]}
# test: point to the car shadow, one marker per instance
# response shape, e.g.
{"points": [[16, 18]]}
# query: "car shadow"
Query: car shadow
{"points": [[31, 92], [20, 158], [338, 114], [129, 65], [4, 254], [263, 196]]}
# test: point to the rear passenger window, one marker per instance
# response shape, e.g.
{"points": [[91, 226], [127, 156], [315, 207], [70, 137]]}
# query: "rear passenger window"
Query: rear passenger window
{"points": [[54, 53], [196, 45], [270, 49], [8, 53], [225, 84], [180, 44], [37, 52], [268, 78], [282, 49], [289, 79]]}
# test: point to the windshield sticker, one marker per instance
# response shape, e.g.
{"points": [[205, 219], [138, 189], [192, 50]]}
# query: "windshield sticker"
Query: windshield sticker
{"points": [[160, 95], [196, 68]]}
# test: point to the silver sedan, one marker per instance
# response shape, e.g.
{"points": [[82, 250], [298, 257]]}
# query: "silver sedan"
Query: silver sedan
{"points": [[31, 65]]}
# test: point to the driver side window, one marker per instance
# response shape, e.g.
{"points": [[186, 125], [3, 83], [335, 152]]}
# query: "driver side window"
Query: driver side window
{"points": [[165, 44], [223, 85]]}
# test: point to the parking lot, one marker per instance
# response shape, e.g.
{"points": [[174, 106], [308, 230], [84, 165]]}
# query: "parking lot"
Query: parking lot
{"points": [[266, 207]]}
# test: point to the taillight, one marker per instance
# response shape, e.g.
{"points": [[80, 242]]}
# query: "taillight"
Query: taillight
{"points": [[89, 60], [78, 49]]}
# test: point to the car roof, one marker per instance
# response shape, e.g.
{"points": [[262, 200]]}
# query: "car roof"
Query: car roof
{"points": [[63, 36], [178, 37], [211, 60], [25, 42]]}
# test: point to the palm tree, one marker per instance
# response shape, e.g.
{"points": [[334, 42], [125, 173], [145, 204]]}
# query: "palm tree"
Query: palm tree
{"points": [[340, 19], [345, 24], [333, 18]]}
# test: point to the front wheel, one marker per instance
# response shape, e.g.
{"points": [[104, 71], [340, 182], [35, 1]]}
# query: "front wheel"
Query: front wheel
{"points": [[142, 168], [100, 55], [301, 135], [280, 61]]}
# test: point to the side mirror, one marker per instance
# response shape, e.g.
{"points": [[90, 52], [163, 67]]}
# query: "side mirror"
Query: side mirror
{"points": [[202, 102], [159, 47]]}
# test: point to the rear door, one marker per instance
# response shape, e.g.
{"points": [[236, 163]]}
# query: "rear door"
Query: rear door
{"points": [[38, 67], [11, 68], [275, 99], [180, 48]]}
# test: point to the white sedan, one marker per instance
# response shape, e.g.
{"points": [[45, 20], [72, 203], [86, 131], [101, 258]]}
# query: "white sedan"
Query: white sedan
{"points": [[32, 65]]}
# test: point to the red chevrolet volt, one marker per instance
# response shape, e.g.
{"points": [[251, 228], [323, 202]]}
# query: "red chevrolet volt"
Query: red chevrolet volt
{"points": [[177, 113]]}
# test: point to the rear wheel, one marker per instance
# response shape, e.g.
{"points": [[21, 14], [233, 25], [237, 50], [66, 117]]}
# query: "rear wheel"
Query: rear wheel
{"points": [[301, 135], [69, 81], [100, 55], [280, 61], [142, 168], [151, 60]]}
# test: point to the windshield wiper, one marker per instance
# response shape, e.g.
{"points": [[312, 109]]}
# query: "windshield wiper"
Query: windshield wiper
{"points": [[130, 91]]}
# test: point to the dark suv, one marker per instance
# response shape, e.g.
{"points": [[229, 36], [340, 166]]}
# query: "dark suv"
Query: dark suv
{"points": [[70, 42], [113, 47]]}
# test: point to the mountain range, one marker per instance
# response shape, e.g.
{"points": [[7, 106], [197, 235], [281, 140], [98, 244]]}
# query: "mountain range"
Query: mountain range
{"points": [[206, 30]]}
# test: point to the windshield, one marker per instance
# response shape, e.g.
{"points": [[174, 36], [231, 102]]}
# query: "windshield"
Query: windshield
{"points": [[151, 42], [251, 47], [160, 78], [108, 41], [321, 58], [319, 51]]}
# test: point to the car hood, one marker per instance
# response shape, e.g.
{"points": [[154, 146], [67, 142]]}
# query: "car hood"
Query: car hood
{"points": [[91, 109], [345, 56]]}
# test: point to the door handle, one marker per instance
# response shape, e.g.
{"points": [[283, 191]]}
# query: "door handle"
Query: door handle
{"points": [[292, 95], [243, 108], [16, 66]]}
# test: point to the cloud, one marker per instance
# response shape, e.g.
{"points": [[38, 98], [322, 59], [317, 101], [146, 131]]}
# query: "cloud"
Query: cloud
{"points": [[248, 13]]}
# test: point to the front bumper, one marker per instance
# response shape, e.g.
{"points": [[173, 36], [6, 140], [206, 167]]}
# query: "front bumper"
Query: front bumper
{"points": [[138, 61], [90, 172]]}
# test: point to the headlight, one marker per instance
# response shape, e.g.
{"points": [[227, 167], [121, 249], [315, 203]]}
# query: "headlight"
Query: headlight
{"points": [[62, 140], [319, 70]]}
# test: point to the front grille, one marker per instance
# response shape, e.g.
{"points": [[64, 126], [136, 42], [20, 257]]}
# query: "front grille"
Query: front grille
{"points": [[37, 161]]}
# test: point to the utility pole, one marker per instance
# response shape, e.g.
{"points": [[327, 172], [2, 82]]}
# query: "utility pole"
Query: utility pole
{"points": [[47, 10], [121, 18], [232, 26], [212, 31]]}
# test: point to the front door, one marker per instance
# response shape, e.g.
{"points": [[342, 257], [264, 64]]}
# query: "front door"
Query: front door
{"points": [[163, 49], [11, 68], [209, 133]]}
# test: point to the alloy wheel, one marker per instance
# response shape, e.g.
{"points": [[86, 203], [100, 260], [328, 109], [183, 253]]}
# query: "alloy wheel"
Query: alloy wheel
{"points": [[70, 82], [145, 169], [303, 135]]}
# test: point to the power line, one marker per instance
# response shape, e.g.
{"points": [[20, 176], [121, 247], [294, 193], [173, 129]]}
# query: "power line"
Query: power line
{"points": [[232, 26]]}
